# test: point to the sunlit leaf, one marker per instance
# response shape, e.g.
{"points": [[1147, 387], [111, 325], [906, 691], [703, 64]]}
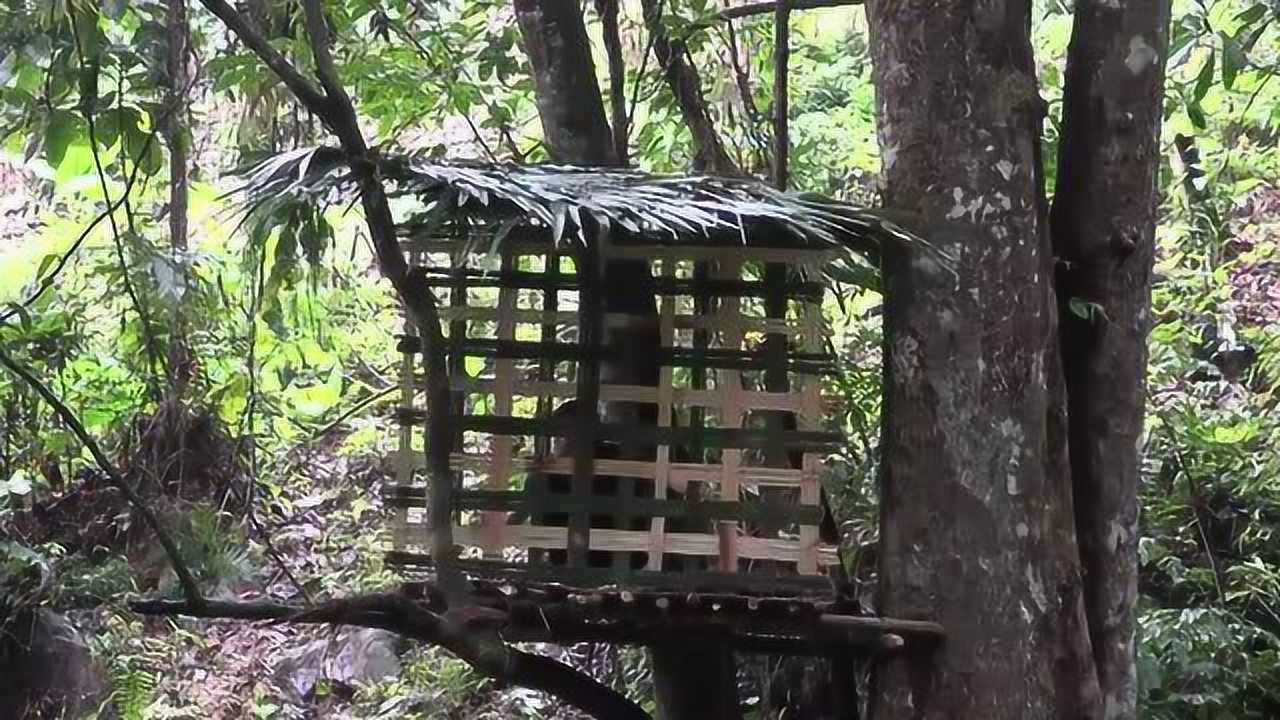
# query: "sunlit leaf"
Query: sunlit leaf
{"points": [[64, 127], [1204, 80]]}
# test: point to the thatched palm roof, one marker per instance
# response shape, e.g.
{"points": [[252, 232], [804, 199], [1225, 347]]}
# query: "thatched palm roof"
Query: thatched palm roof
{"points": [[665, 208]]}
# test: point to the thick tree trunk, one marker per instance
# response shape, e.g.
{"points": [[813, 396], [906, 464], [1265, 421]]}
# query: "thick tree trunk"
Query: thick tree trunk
{"points": [[977, 529], [564, 79], [176, 136], [690, 682], [1103, 221]]}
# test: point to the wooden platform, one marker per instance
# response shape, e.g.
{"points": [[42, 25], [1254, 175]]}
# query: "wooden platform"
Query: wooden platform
{"points": [[557, 613]]}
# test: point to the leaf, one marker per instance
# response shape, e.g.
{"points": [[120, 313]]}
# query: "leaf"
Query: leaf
{"points": [[1233, 58], [1247, 46], [1086, 310], [64, 127], [1204, 80], [24, 317], [40, 50], [1196, 114], [169, 279], [114, 9], [135, 140], [854, 274], [45, 262], [1252, 15], [19, 484], [1234, 434], [7, 65]]}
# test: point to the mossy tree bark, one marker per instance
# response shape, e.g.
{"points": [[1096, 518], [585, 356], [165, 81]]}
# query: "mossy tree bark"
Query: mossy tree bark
{"points": [[1103, 222], [977, 523]]}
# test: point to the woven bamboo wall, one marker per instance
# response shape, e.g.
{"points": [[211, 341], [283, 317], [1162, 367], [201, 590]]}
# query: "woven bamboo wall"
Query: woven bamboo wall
{"points": [[723, 484]]}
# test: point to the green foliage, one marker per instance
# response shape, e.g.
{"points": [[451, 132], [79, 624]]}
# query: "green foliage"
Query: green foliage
{"points": [[1207, 663], [1211, 503], [134, 689], [290, 328]]}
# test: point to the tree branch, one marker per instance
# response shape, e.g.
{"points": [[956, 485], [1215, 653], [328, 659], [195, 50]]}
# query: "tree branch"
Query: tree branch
{"points": [[762, 8], [485, 651], [608, 12], [781, 56], [188, 582], [305, 91], [686, 86], [472, 636]]}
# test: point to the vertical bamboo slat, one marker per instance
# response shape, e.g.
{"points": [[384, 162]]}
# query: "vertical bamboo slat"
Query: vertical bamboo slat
{"points": [[405, 461], [546, 370], [499, 477], [730, 386], [590, 336], [810, 418], [662, 467]]}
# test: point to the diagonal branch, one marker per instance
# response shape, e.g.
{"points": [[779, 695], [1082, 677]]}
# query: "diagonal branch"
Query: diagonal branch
{"points": [[762, 8], [257, 42], [482, 649], [472, 637], [709, 153], [188, 582]]}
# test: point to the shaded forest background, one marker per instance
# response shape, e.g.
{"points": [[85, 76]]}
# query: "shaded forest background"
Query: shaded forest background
{"points": [[282, 339]]}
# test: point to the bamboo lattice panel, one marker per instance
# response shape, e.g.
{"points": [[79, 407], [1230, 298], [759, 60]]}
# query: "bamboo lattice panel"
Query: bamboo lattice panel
{"points": [[724, 480]]}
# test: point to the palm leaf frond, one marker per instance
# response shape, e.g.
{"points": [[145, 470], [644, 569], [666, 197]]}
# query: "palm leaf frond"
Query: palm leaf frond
{"points": [[561, 199]]}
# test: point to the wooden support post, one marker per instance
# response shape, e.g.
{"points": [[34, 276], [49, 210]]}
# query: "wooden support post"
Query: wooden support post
{"points": [[662, 463], [810, 419], [590, 336]]}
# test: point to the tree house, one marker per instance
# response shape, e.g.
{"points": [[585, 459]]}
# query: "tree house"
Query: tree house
{"points": [[634, 437]]}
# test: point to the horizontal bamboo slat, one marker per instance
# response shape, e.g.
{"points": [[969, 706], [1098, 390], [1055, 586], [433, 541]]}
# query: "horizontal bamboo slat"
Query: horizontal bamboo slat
{"points": [[681, 473], [697, 544], [625, 506], [749, 400]]}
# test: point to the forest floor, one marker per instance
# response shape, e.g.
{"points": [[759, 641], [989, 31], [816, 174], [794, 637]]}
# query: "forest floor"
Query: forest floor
{"points": [[326, 531]]}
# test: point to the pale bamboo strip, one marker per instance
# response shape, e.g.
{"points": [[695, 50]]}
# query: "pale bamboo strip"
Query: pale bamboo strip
{"points": [[520, 315], [706, 544], [567, 317], [747, 399], [407, 461], [499, 475], [680, 474], [810, 418], [811, 257], [815, 258]]}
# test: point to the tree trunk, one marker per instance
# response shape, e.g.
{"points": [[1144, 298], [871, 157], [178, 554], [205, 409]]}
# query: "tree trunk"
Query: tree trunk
{"points": [[1103, 221], [564, 80], [977, 528], [176, 137], [689, 681]]}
